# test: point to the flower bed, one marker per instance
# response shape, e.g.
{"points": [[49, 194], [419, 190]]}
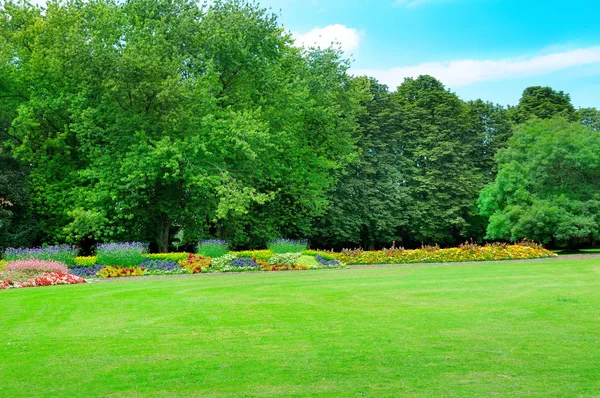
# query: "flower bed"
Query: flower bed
{"points": [[436, 255], [48, 279]]}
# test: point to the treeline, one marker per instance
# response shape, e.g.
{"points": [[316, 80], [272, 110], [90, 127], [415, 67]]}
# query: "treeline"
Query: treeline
{"points": [[169, 122]]}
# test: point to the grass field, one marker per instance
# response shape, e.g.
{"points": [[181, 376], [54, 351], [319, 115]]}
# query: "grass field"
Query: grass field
{"points": [[504, 329]]}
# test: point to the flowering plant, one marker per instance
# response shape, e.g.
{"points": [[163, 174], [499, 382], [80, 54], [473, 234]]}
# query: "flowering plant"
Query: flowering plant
{"points": [[36, 265], [86, 261], [117, 272], [288, 259], [327, 263], [167, 256], [128, 254], [160, 267], [86, 271], [48, 279], [282, 245], [63, 253], [212, 248], [195, 263]]}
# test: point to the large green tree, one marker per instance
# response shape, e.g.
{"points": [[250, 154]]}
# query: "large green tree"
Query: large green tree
{"points": [[548, 185], [143, 118]]}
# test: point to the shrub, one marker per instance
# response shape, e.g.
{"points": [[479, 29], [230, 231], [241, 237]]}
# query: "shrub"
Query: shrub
{"points": [[280, 246], [195, 263], [86, 261], [61, 253], [257, 254], [86, 271], [119, 272], [129, 254], [288, 259], [213, 248], [160, 267], [167, 256], [36, 265], [48, 279]]}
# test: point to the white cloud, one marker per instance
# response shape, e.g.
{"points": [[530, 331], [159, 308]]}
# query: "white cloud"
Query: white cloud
{"points": [[348, 38], [465, 72]]}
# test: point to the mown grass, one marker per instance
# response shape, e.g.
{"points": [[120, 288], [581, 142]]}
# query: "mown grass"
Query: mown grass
{"points": [[508, 329]]}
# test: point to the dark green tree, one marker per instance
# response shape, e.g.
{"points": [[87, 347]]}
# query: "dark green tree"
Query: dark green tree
{"points": [[544, 103]]}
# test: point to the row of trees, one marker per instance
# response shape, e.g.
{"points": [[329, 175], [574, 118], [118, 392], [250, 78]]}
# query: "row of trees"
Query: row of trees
{"points": [[166, 121]]}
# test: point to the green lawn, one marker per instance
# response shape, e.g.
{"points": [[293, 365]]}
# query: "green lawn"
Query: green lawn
{"points": [[503, 329]]}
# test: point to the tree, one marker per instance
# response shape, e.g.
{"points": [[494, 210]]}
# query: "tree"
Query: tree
{"points": [[544, 103], [440, 174], [548, 184], [367, 204], [589, 117]]}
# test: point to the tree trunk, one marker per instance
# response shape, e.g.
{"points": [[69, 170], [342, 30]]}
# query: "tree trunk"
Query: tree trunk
{"points": [[162, 239]]}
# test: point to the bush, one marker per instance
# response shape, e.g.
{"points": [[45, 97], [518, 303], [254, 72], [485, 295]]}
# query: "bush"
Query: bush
{"points": [[213, 248], [129, 254], [86, 261], [61, 253], [280, 246], [36, 265], [119, 272], [167, 256]]}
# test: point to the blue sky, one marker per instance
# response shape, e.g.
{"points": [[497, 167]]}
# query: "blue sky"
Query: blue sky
{"points": [[489, 49]]}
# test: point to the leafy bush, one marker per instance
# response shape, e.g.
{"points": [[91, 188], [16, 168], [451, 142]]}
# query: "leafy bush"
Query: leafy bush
{"points": [[86, 261], [61, 253], [160, 267], [167, 256], [118, 272], [36, 265], [288, 259], [280, 246], [213, 248], [434, 254], [129, 254], [257, 254], [48, 279], [195, 263], [86, 271]]}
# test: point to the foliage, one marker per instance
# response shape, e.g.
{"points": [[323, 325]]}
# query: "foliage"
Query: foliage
{"points": [[195, 263], [258, 254], [86, 271], [543, 103], [117, 272], [325, 254], [61, 253], [212, 248], [167, 256], [2, 264], [280, 246], [86, 261], [436, 255], [548, 185], [128, 254], [161, 267], [589, 117], [18, 228], [48, 279]]}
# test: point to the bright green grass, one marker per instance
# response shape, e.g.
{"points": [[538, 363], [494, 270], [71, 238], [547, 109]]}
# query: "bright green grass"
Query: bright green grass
{"points": [[509, 329]]}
